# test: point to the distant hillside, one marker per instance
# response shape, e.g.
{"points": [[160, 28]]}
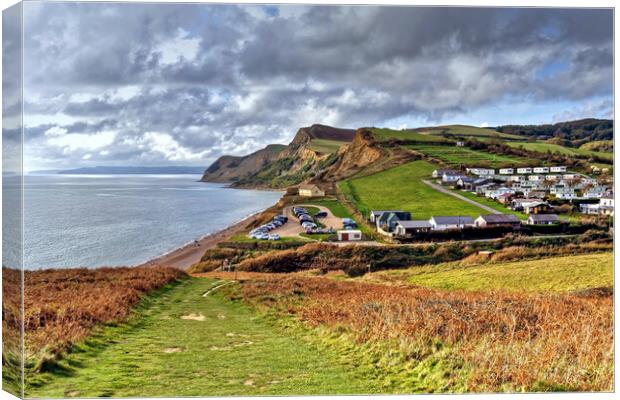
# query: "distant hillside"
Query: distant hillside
{"points": [[132, 171], [232, 168], [570, 133]]}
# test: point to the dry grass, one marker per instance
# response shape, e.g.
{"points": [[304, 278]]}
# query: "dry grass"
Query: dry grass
{"points": [[506, 342], [62, 306]]}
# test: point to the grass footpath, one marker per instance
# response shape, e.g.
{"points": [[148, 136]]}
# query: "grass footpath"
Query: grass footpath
{"points": [[181, 343], [556, 274]]}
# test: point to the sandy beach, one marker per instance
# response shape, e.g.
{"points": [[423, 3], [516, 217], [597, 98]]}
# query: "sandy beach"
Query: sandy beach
{"points": [[185, 256]]}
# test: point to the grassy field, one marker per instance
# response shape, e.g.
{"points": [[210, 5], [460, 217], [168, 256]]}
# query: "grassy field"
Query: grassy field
{"points": [[557, 274], [556, 148], [456, 156], [473, 131], [334, 206], [325, 146], [385, 134], [182, 343], [401, 188]]}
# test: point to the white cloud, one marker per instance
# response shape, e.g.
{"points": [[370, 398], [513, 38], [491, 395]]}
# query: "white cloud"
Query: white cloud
{"points": [[79, 141], [179, 47], [55, 131]]}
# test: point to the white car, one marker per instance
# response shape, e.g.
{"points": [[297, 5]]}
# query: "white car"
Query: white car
{"points": [[274, 236]]}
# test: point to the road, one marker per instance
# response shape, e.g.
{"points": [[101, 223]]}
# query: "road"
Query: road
{"points": [[458, 196]]}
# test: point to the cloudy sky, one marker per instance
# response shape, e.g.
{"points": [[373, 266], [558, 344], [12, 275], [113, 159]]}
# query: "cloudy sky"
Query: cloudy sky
{"points": [[181, 84]]}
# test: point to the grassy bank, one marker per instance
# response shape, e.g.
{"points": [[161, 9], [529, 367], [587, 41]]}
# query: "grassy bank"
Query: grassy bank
{"points": [[451, 341], [557, 274]]}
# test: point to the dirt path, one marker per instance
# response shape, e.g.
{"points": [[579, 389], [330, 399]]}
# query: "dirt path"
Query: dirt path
{"points": [[184, 257], [184, 343], [458, 196]]}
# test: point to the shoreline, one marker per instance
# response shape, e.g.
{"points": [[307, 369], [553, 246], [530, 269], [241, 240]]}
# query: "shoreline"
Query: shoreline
{"points": [[185, 256]]}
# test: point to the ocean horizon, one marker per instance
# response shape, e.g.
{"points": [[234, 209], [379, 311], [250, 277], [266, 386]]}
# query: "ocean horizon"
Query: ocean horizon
{"points": [[121, 220]]}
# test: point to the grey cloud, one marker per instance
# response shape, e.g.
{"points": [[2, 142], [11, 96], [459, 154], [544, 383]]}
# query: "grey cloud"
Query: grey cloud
{"points": [[258, 74]]}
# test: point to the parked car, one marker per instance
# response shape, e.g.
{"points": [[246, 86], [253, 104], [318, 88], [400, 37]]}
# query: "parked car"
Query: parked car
{"points": [[273, 236], [320, 214]]}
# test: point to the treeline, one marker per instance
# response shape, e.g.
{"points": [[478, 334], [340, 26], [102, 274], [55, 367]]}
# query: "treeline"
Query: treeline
{"points": [[571, 133]]}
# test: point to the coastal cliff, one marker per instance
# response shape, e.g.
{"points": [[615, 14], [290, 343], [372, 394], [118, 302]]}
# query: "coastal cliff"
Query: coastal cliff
{"points": [[311, 152]]}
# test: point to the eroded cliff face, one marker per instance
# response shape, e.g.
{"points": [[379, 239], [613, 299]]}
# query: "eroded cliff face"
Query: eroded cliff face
{"points": [[354, 157]]}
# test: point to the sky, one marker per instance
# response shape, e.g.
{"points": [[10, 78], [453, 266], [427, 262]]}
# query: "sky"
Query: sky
{"points": [[182, 84]]}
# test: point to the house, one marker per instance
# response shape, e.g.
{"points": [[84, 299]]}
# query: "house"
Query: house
{"points": [[535, 194], [535, 207], [606, 206], [552, 177], [543, 219], [517, 178], [347, 236], [482, 189], [481, 171], [438, 173], [505, 198], [451, 177], [387, 221], [506, 171], [487, 221], [307, 190], [517, 204], [541, 170], [445, 223], [406, 229], [557, 169], [526, 170], [460, 144], [570, 177], [465, 182], [495, 193], [536, 178], [589, 208], [595, 192], [374, 215]]}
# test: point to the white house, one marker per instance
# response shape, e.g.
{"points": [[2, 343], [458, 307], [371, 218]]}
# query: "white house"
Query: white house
{"points": [[552, 177], [495, 193], [307, 190], [595, 192], [517, 178], [536, 178], [347, 236], [481, 171], [606, 206], [557, 169], [451, 177], [541, 170], [570, 177], [506, 171], [445, 223], [526, 170]]}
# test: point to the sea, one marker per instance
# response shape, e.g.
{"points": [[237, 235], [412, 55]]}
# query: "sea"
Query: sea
{"points": [[117, 220]]}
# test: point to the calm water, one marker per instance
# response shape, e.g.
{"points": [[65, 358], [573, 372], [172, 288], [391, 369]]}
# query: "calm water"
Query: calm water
{"points": [[115, 220]]}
